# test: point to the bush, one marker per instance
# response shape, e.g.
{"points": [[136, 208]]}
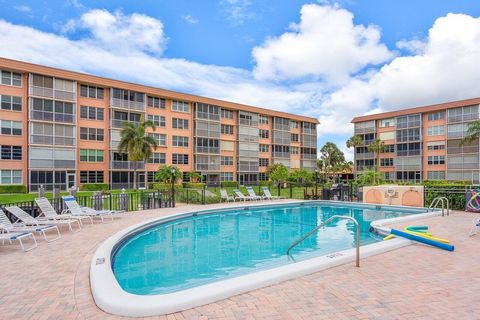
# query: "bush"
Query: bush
{"points": [[163, 186], [453, 191], [193, 185], [229, 184], [13, 188], [94, 187]]}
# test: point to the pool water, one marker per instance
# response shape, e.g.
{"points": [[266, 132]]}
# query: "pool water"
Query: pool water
{"points": [[201, 249]]}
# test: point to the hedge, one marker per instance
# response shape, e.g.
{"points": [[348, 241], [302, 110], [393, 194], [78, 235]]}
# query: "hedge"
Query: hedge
{"points": [[163, 186], [193, 185], [229, 184], [94, 187], [13, 188], [453, 191]]}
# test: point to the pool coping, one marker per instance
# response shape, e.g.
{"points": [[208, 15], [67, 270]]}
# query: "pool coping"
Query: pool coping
{"points": [[111, 298]]}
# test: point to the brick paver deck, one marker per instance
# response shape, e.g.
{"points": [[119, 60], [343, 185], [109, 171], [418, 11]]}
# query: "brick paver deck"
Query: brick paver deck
{"points": [[414, 282]]}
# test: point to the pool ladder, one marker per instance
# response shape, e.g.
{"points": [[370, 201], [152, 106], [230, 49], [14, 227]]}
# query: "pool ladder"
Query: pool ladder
{"points": [[444, 202], [357, 235]]}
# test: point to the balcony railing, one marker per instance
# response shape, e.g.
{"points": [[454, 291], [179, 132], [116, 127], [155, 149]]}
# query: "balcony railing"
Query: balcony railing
{"points": [[52, 116], [207, 167], [308, 156], [128, 165], [250, 167], [52, 94], [462, 117], [464, 149], [211, 150], [463, 165], [248, 153], [64, 95], [127, 104], [367, 155], [281, 155], [119, 123], [247, 122], [52, 140], [207, 116], [41, 92]]}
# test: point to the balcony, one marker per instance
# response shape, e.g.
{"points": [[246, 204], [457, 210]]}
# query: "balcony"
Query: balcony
{"points": [[64, 95], [281, 155], [127, 104], [41, 92], [207, 167], [363, 130], [248, 166], [52, 116], [248, 122], [308, 164], [211, 150], [367, 155], [207, 116], [127, 165], [464, 117], [118, 124], [464, 149], [248, 153], [307, 156]]}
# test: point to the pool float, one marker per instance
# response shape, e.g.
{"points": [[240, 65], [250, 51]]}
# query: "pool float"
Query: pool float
{"points": [[425, 240]]}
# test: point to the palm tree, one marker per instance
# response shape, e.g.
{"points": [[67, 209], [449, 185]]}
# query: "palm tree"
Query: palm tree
{"points": [[376, 146], [137, 144], [473, 133], [354, 141]]}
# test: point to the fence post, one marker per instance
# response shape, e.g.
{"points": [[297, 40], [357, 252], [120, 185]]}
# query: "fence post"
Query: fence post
{"points": [[203, 194], [291, 191], [278, 186]]}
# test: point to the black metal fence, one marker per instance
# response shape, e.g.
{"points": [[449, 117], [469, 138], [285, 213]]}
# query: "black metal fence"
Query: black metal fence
{"points": [[120, 201], [454, 194]]}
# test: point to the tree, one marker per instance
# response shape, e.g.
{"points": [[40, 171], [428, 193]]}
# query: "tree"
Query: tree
{"points": [[330, 157], [376, 146], [300, 175], [277, 173], [473, 133], [369, 177], [354, 141], [164, 174], [135, 142], [195, 176]]}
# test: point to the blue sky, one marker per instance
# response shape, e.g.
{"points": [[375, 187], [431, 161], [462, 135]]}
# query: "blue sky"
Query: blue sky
{"points": [[330, 60]]}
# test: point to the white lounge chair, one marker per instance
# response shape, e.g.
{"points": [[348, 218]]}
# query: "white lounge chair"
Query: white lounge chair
{"points": [[225, 197], [18, 226], [253, 195], [19, 236], [475, 227], [39, 221], [240, 196], [268, 195], [49, 212], [76, 210]]}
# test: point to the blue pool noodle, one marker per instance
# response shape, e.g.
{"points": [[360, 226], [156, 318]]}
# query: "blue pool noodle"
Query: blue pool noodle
{"points": [[434, 243]]}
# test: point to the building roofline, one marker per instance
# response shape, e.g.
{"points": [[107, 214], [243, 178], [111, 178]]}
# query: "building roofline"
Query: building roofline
{"points": [[22, 66], [428, 108]]}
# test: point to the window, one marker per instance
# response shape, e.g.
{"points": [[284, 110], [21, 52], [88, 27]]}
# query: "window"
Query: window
{"points": [[158, 121], [406, 135], [91, 113], [262, 176], [91, 155], [179, 158], [293, 124], [10, 127], [263, 162], [160, 138], [226, 114], [91, 92], [157, 157], [91, 176], [11, 152], [11, 78], [386, 162], [180, 123], [408, 149], [436, 145], [264, 134], [262, 119], [10, 176], [151, 176], [92, 134], [389, 148], [436, 116], [294, 137], [435, 130], [179, 141], [264, 147], [293, 150], [227, 145], [226, 176], [226, 129], [226, 161], [436, 175], [387, 123], [12, 103], [156, 102], [180, 106], [409, 175], [387, 135], [436, 160]]}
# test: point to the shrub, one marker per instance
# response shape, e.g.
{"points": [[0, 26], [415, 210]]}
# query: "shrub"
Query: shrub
{"points": [[13, 188], [229, 184], [453, 191], [163, 186], [193, 185], [94, 187]]}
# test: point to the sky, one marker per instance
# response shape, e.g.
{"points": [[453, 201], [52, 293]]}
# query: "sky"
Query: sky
{"points": [[324, 59]]}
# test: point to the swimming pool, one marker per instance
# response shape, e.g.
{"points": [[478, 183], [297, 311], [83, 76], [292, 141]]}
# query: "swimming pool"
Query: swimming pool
{"points": [[205, 256]]}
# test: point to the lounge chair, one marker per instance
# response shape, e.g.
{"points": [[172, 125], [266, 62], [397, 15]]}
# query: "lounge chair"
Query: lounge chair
{"points": [[225, 197], [240, 196], [475, 227], [268, 195], [12, 236], [28, 220], [49, 212], [74, 209], [22, 227], [253, 195]]}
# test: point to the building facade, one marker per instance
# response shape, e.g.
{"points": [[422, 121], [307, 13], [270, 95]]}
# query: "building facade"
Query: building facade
{"points": [[62, 128], [422, 143]]}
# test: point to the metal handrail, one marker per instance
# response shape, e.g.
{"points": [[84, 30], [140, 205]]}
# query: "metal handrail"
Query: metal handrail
{"points": [[357, 235], [443, 201]]}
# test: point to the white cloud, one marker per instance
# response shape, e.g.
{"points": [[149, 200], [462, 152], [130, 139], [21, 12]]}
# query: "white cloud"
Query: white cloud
{"points": [[324, 45], [117, 31], [23, 8], [237, 11], [190, 19]]}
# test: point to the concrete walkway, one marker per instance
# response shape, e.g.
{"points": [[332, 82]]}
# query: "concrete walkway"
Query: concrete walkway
{"points": [[414, 282]]}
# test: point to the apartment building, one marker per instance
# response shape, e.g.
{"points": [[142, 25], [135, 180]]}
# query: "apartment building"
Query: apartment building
{"points": [[422, 143], [62, 128]]}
